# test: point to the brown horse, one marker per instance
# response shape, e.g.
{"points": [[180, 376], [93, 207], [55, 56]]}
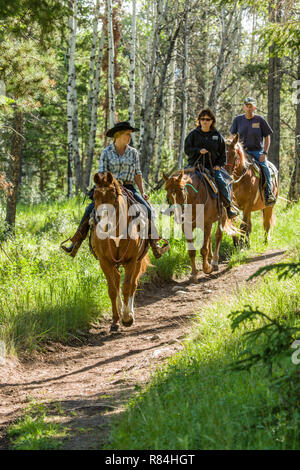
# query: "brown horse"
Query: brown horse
{"points": [[190, 189], [246, 189], [118, 247]]}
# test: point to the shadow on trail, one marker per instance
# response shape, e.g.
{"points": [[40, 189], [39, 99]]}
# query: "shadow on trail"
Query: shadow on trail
{"points": [[126, 354]]}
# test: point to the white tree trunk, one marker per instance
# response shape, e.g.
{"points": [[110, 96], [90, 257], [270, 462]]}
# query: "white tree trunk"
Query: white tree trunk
{"points": [[70, 95], [132, 68], [93, 59], [111, 55], [228, 41], [94, 115], [171, 107], [146, 148], [184, 81], [160, 141]]}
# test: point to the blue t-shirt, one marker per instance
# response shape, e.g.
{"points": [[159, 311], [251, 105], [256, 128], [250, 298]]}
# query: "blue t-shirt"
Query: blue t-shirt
{"points": [[251, 131]]}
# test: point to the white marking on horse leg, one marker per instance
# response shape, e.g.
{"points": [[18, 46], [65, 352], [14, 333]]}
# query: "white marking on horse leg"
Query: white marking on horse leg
{"points": [[120, 303], [131, 304]]}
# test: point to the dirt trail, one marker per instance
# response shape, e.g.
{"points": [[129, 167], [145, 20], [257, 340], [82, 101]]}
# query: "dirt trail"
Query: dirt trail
{"points": [[91, 380]]}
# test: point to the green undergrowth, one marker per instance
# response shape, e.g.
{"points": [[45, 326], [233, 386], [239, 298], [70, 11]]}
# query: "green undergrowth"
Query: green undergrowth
{"points": [[36, 431], [196, 401]]}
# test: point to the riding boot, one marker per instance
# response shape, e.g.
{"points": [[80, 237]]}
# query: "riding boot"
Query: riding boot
{"points": [[77, 239], [154, 238], [269, 196]]}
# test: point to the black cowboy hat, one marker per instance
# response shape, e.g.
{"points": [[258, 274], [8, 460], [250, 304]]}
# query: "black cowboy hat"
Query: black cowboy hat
{"points": [[121, 126]]}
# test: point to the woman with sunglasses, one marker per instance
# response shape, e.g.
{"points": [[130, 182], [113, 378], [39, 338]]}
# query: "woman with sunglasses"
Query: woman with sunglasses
{"points": [[207, 145]]}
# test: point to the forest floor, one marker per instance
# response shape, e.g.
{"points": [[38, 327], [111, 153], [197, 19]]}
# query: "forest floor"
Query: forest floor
{"points": [[86, 384]]}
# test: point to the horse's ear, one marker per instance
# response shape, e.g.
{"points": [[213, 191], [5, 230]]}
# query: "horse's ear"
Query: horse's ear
{"points": [[235, 140], [180, 176], [97, 178], [109, 177], [165, 177]]}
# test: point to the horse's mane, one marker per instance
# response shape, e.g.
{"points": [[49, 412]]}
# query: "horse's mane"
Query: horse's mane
{"points": [[240, 150]]}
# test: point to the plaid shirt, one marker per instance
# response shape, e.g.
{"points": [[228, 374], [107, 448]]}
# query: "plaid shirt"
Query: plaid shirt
{"points": [[123, 167]]}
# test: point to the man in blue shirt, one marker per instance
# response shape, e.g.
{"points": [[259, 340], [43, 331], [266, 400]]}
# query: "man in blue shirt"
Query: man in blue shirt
{"points": [[255, 134]]}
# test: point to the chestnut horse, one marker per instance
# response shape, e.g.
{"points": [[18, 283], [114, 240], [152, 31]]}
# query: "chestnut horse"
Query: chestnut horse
{"points": [[191, 189], [118, 247], [246, 189]]}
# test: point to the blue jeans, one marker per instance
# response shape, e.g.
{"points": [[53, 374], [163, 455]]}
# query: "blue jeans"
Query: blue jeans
{"points": [[220, 182], [222, 185], [137, 197], [264, 167]]}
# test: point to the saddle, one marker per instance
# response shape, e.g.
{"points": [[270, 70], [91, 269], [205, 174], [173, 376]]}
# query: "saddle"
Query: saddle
{"points": [[204, 173], [260, 174]]}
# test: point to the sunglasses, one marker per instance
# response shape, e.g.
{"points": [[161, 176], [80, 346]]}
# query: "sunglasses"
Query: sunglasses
{"points": [[205, 119]]}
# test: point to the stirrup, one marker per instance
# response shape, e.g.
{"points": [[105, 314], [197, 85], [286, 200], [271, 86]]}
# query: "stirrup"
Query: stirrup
{"points": [[62, 243]]}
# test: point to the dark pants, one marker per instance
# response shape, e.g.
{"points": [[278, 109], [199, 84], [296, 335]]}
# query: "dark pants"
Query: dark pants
{"points": [[136, 196], [220, 182], [264, 168], [222, 185]]}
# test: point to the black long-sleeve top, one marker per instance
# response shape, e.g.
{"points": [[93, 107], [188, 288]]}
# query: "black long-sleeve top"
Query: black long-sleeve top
{"points": [[212, 141]]}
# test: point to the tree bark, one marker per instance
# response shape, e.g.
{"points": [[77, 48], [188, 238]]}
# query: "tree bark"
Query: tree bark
{"points": [[183, 86], [146, 145], [71, 95], [111, 54], [132, 69], [294, 191], [228, 41], [274, 86], [14, 169], [94, 115]]}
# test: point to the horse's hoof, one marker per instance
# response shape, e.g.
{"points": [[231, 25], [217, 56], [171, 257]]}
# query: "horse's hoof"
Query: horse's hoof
{"points": [[208, 270], [128, 322], [114, 327], [215, 267], [194, 278]]}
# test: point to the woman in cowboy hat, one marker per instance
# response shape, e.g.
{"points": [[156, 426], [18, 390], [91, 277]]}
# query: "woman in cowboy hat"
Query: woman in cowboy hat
{"points": [[123, 162]]}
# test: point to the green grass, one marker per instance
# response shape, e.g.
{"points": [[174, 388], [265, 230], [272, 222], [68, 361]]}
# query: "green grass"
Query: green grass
{"points": [[35, 431], [195, 402], [46, 295]]}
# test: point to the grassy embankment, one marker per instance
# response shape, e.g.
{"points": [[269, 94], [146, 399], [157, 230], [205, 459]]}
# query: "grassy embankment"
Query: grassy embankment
{"points": [[195, 401], [45, 294]]}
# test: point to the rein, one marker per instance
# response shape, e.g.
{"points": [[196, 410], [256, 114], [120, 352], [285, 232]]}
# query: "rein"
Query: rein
{"points": [[235, 165]]}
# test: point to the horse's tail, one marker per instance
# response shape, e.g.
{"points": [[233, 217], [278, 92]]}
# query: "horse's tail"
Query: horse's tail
{"points": [[268, 217], [228, 226]]}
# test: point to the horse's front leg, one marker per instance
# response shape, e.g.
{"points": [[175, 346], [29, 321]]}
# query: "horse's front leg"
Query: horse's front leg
{"points": [[207, 267], [218, 239], [132, 270], [113, 282], [187, 229]]}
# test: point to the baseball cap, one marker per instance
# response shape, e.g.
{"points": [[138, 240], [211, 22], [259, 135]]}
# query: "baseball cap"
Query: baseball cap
{"points": [[250, 100]]}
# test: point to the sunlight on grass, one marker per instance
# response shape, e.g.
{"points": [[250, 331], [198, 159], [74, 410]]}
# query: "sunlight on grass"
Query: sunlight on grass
{"points": [[35, 431], [195, 402]]}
